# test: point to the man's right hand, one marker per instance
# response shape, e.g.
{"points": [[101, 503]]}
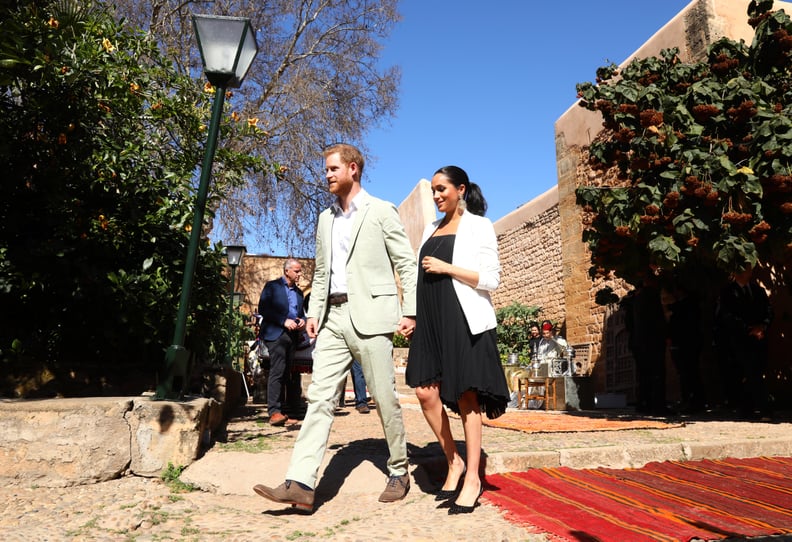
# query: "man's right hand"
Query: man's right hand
{"points": [[311, 327]]}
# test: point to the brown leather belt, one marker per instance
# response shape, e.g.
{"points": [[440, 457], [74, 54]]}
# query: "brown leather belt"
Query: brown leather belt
{"points": [[337, 299]]}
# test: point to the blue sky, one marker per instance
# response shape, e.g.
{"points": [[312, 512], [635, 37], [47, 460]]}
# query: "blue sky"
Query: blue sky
{"points": [[483, 83]]}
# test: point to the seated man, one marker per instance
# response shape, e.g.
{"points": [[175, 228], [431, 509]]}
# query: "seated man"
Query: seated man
{"points": [[550, 345]]}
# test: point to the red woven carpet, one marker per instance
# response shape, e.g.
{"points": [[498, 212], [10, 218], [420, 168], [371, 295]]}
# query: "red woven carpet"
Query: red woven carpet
{"points": [[669, 501]]}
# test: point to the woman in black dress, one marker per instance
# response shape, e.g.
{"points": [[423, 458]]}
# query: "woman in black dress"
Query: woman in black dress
{"points": [[454, 357]]}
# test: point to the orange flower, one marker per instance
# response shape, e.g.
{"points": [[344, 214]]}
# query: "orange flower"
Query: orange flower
{"points": [[53, 22], [252, 122], [209, 88], [134, 87], [235, 116], [108, 45]]}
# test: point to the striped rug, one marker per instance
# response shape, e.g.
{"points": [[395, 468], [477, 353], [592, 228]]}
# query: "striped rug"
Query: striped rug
{"points": [[540, 421], [556, 421], [660, 502]]}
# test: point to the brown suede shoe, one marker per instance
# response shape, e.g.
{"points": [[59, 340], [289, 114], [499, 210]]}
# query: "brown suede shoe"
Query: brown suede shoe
{"points": [[278, 419], [288, 492], [396, 489]]}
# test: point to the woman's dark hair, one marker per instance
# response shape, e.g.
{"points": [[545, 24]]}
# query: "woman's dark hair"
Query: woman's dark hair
{"points": [[474, 199]]}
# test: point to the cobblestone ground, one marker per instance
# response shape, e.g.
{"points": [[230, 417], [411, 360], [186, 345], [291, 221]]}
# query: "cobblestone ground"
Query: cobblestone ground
{"points": [[140, 509], [146, 510]]}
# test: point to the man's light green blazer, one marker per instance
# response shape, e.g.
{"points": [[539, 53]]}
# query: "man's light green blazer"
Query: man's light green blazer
{"points": [[378, 245]]}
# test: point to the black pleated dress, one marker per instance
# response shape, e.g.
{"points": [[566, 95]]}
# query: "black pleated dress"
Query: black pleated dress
{"points": [[443, 349]]}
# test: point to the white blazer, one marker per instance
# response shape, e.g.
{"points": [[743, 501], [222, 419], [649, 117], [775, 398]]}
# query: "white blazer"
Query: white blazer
{"points": [[476, 248]]}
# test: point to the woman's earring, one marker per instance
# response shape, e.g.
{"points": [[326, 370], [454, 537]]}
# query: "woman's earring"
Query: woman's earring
{"points": [[462, 204]]}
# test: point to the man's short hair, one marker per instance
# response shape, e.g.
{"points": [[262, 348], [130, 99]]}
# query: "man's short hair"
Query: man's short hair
{"points": [[348, 154]]}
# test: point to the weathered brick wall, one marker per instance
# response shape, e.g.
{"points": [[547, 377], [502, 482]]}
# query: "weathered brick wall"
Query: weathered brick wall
{"points": [[530, 256]]}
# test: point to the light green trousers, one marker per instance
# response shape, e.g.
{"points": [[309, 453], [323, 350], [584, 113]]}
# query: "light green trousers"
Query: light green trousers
{"points": [[336, 346]]}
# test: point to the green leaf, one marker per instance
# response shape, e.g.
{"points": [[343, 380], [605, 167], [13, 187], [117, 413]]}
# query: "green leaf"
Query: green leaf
{"points": [[664, 248]]}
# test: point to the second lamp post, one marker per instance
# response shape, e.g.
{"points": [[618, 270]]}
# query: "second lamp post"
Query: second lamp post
{"points": [[234, 254]]}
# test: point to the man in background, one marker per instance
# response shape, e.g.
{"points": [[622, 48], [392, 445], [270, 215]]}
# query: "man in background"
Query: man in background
{"points": [[282, 320]]}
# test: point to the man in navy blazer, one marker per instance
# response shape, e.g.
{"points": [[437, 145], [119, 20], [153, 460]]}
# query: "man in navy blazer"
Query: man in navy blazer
{"points": [[282, 321]]}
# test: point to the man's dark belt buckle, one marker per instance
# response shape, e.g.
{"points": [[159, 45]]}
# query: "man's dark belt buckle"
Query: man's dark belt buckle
{"points": [[337, 299]]}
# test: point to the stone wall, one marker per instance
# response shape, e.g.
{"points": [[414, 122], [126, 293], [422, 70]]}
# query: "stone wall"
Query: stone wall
{"points": [[529, 246]]}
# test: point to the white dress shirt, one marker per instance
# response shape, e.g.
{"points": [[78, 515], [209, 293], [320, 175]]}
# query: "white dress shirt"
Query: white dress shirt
{"points": [[342, 234]]}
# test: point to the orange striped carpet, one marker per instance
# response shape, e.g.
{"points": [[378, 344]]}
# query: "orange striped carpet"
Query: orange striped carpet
{"points": [[660, 502], [539, 421], [558, 421]]}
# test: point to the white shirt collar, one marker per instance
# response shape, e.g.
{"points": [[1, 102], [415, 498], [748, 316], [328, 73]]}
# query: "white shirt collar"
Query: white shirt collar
{"points": [[354, 205]]}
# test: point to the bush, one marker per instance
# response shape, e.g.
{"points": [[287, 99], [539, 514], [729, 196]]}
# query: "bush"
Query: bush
{"points": [[102, 142], [400, 341], [513, 329], [693, 167]]}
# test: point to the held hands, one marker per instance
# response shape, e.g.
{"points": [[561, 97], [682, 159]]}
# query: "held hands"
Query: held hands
{"points": [[406, 326], [431, 264]]}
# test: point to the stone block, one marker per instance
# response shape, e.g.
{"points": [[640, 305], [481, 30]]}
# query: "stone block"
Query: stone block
{"points": [[75, 441], [520, 462], [695, 451], [63, 442], [169, 432], [621, 457]]}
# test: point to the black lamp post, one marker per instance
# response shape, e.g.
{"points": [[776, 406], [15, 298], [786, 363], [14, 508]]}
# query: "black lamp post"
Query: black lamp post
{"points": [[228, 46], [234, 254]]}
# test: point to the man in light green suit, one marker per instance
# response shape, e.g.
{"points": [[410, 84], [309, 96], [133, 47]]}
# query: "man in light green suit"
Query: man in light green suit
{"points": [[354, 311]]}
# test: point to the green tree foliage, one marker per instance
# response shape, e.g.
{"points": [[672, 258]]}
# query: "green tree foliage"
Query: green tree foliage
{"points": [[695, 158], [513, 329], [101, 144]]}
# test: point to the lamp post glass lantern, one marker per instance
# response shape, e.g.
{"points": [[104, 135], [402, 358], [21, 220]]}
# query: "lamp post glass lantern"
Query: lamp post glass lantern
{"points": [[228, 47], [234, 255]]}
